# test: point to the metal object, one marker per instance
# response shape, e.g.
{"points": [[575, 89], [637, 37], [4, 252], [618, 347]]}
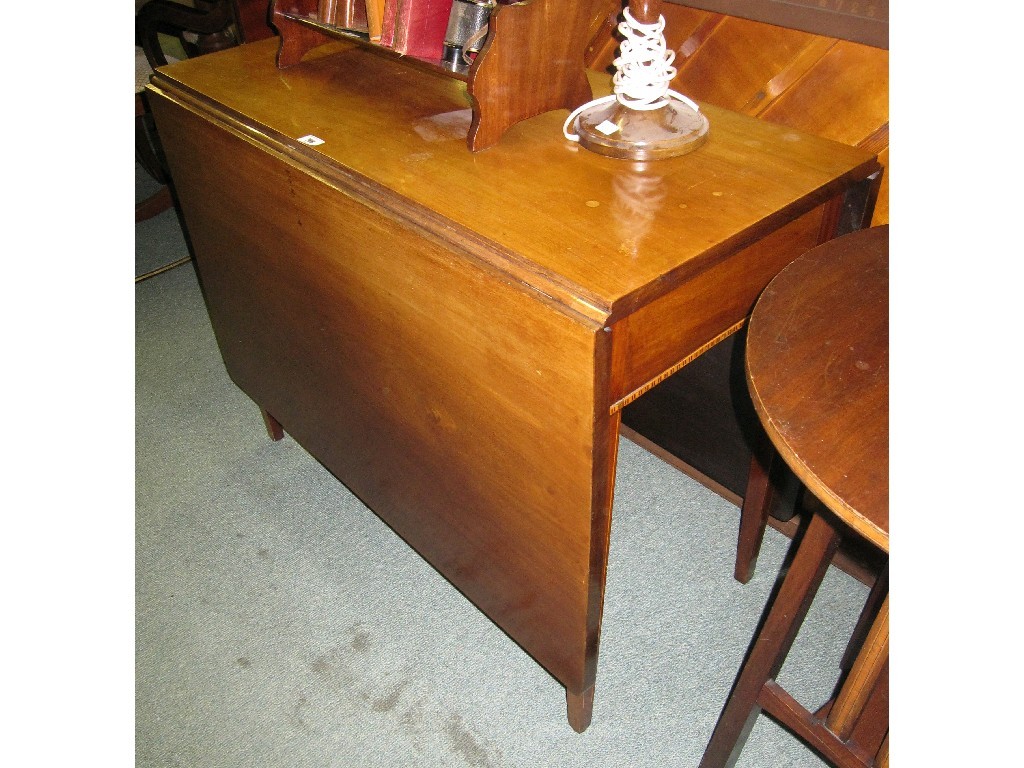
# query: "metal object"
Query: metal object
{"points": [[466, 33]]}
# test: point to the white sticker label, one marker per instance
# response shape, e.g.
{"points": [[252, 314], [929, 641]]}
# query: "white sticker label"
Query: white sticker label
{"points": [[607, 127], [311, 140]]}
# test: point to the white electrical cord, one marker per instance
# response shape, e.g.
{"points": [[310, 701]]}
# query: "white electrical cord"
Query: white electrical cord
{"points": [[643, 71]]}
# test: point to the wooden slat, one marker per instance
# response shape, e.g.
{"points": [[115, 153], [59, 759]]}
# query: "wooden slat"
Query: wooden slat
{"points": [[863, 22], [737, 61], [778, 702], [844, 97], [810, 55], [688, 45]]}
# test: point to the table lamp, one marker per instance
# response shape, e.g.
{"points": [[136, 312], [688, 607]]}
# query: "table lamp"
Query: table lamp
{"points": [[643, 119]]}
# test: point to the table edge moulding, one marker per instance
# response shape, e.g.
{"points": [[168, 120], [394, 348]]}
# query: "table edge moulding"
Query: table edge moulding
{"points": [[453, 334]]}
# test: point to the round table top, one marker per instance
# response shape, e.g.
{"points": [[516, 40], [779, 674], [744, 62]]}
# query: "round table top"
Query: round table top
{"points": [[818, 373]]}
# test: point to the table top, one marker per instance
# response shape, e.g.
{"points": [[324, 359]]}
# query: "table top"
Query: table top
{"points": [[598, 234], [818, 372]]}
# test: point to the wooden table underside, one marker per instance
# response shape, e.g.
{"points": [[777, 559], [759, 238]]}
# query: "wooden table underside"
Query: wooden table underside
{"points": [[469, 395]]}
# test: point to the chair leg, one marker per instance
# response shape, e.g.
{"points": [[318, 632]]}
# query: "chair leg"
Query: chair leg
{"points": [[773, 642], [871, 607], [156, 203], [274, 428], [580, 709], [757, 501], [147, 144], [882, 756], [856, 688]]}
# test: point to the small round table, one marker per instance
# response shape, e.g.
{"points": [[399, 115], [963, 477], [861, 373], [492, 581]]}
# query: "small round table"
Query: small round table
{"points": [[818, 373]]}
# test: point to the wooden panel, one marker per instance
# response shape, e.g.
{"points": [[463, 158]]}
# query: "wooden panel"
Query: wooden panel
{"points": [[704, 308], [844, 97], [737, 61], [455, 404], [253, 18], [513, 81], [862, 21]]}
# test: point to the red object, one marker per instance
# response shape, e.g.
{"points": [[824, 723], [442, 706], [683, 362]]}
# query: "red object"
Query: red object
{"points": [[416, 27], [387, 35]]}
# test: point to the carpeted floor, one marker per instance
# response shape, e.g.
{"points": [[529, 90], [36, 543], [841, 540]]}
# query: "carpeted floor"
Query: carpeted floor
{"points": [[280, 624]]}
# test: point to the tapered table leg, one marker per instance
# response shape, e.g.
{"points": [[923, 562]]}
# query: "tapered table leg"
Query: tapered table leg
{"points": [[581, 708], [757, 501]]}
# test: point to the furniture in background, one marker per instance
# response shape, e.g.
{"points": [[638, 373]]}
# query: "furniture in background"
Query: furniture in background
{"points": [[147, 147], [454, 334], [201, 27], [186, 30], [818, 371]]}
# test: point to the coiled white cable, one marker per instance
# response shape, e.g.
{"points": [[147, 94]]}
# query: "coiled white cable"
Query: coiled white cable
{"points": [[643, 71]]}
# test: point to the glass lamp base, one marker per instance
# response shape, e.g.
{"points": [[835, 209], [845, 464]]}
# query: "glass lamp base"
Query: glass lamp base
{"points": [[617, 131]]}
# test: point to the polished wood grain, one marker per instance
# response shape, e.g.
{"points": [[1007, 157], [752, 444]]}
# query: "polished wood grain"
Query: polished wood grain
{"points": [[825, 85], [447, 331], [769, 369], [817, 366], [866, 21], [508, 82], [425, 381], [757, 63], [645, 11], [576, 238], [532, 62], [253, 20]]}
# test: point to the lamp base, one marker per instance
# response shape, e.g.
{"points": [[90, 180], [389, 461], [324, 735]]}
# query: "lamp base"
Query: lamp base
{"points": [[614, 130]]}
